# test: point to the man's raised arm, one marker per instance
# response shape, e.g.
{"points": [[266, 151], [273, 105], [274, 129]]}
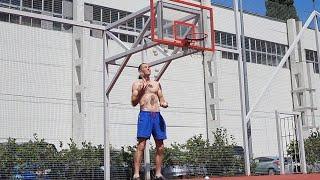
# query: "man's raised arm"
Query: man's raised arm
{"points": [[135, 94], [163, 103]]}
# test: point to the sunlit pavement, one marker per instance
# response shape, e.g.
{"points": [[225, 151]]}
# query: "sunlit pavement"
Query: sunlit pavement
{"points": [[275, 177]]}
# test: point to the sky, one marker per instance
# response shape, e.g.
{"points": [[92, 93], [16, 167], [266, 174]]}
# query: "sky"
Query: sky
{"points": [[303, 7]]}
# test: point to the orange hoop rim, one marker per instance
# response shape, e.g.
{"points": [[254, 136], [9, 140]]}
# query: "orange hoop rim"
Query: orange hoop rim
{"points": [[196, 37]]}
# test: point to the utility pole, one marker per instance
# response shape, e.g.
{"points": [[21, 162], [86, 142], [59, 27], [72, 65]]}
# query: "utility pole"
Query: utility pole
{"points": [[245, 79], [241, 88]]}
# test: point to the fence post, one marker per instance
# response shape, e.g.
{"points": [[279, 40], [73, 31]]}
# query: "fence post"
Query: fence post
{"points": [[106, 106], [147, 161], [279, 140], [302, 153]]}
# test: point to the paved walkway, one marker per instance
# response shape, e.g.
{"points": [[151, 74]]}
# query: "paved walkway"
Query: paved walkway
{"points": [[275, 177]]}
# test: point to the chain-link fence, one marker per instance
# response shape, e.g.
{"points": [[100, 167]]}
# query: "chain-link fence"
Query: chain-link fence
{"points": [[52, 90], [41, 96]]}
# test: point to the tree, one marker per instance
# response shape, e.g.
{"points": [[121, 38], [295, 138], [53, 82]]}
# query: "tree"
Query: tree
{"points": [[226, 158], [35, 153], [312, 149], [86, 161], [281, 9], [205, 158], [39, 156]]}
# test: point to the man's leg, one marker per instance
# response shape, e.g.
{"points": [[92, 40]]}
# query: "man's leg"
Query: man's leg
{"points": [[138, 155], [159, 156]]}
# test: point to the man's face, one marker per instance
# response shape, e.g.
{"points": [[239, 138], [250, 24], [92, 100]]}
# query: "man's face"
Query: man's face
{"points": [[145, 70]]}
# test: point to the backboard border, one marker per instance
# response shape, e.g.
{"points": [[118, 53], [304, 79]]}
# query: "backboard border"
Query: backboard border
{"points": [[175, 43]]}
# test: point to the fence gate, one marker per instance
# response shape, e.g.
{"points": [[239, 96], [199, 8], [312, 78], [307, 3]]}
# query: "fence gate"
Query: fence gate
{"points": [[290, 143]]}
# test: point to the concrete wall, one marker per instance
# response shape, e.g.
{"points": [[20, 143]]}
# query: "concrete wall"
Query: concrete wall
{"points": [[36, 83], [254, 26], [263, 119]]}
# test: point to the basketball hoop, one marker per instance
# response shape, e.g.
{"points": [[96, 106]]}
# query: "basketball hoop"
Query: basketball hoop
{"points": [[193, 38], [176, 23]]}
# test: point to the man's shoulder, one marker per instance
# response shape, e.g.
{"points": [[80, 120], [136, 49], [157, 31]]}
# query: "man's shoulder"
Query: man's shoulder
{"points": [[137, 81], [154, 81]]}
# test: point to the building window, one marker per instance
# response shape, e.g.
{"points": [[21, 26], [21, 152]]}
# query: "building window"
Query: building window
{"points": [[47, 5], [213, 111], [57, 26], [79, 102], [97, 13], [229, 40], [26, 21], [4, 17], [37, 4], [211, 89], [14, 18], [131, 39], [27, 3], [114, 15], [253, 57], [54, 7], [224, 39], [312, 57], [300, 98], [224, 54], [139, 22], [298, 79], [15, 2], [247, 56], [36, 22], [264, 52], [210, 68], [229, 55], [57, 6], [217, 37], [5, 1], [258, 45], [124, 37], [257, 50], [259, 58], [104, 15]]}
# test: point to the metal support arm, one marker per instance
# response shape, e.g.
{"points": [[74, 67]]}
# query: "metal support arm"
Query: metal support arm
{"points": [[124, 63], [127, 18], [131, 51], [172, 57]]}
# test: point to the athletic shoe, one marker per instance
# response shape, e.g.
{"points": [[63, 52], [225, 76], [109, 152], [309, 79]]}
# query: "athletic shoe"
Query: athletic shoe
{"points": [[159, 178]]}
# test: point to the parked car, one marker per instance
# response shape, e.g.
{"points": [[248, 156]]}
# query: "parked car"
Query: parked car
{"points": [[182, 171], [117, 171], [271, 165], [121, 171], [29, 171], [238, 168], [314, 168], [176, 171], [197, 170]]}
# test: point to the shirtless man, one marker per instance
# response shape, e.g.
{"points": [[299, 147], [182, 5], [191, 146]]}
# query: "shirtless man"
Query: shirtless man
{"points": [[148, 94]]}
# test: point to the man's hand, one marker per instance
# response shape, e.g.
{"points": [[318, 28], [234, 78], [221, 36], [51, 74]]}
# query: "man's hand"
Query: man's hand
{"points": [[164, 104], [138, 89], [142, 87]]}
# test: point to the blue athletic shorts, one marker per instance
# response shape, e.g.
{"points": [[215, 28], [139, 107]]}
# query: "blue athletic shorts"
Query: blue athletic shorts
{"points": [[151, 123]]}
